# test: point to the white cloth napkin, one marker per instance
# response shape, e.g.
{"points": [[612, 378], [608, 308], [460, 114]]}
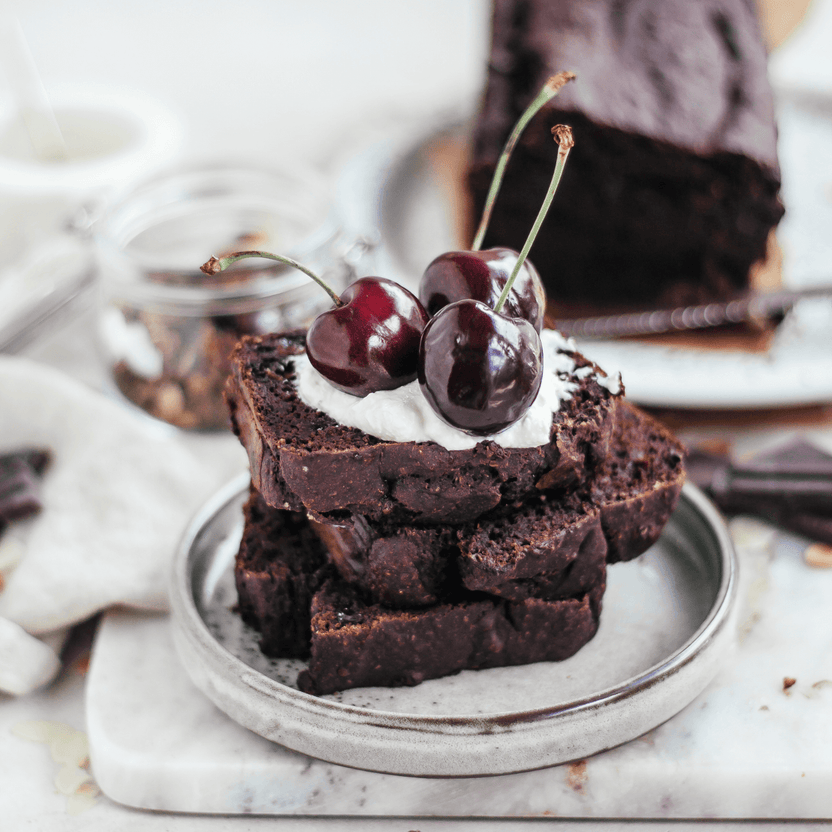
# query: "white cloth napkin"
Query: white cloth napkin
{"points": [[117, 497]]}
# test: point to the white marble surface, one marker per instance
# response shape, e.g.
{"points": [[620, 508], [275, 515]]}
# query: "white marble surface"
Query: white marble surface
{"points": [[746, 747]]}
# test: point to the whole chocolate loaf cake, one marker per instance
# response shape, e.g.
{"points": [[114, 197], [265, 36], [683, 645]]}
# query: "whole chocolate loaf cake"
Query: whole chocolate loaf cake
{"points": [[673, 185], [302, 460]]}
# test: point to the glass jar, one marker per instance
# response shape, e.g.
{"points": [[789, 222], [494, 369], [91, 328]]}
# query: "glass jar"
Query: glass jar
{"points": [[166, 329]]}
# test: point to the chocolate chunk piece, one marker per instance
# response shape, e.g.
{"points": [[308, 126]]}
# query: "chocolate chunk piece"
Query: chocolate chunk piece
{"points": [[790, 485], [398, 567]]}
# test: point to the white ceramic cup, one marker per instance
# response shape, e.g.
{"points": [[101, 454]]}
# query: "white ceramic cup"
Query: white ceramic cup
{"points": [[113, 138]]}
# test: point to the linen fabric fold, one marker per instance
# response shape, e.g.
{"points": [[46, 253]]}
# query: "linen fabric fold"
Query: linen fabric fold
{"points": [[116, 498]]}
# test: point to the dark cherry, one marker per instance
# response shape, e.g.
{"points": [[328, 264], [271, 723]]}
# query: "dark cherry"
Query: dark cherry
{"points": [[478, 369], [481, 275], [371, 341]]}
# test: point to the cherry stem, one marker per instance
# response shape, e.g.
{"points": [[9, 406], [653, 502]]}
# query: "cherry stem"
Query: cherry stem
{"points": [[218, 264], [563, 137], [550, 89]]}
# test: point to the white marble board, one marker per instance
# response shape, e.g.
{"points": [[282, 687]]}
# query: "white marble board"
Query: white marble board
{"points": [[745, 748]]}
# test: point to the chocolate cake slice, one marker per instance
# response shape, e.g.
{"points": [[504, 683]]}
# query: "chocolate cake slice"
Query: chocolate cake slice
{"points": [[639, 484], [552, 545], [545, 548], [355, 644], [302, 460], [395, 566], [278, 568], [550, 548], [672, 187]]}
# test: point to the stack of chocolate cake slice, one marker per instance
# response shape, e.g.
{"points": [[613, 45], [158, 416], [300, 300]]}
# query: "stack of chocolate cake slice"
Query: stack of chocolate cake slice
{"points": [[388, 563]]}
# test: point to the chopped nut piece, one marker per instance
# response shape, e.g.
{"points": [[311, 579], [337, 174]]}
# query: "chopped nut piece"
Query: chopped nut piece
{"points": [[819, 555], [788, 681]]}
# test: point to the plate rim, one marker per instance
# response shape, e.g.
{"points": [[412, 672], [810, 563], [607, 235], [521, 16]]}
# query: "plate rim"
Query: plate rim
{"points": [[774, 394]]}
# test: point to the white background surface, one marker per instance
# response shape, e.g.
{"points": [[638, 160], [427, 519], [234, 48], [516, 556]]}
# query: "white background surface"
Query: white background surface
{"points": [[271, 80], [280, 81]]}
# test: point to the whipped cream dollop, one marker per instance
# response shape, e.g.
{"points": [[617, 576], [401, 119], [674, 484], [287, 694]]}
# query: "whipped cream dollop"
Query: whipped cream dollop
{"points": [[404, 415]]}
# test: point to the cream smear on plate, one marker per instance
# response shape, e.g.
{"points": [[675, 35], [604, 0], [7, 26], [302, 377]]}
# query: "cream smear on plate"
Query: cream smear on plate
{"points": [[404, 415]]}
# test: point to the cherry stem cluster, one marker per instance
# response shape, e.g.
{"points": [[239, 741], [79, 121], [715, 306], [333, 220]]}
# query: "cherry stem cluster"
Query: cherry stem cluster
{"points": [[550, 89], [565, 142], [218, 264]]}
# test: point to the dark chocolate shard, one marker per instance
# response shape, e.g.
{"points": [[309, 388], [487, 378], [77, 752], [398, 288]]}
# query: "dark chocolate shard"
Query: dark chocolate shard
{"points": [[798, 473], [703, 466], [790, 485], [20, 481], [809, 525], [797, 457]]}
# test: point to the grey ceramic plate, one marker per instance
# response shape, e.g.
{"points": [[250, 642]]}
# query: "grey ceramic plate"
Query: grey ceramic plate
{"points": [[666, 627]]}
